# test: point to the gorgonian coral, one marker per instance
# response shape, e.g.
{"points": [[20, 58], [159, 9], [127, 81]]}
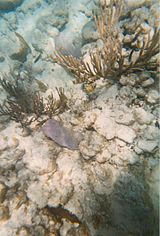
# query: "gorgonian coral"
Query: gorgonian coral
{"points": [[25, 107], [109, 61]]}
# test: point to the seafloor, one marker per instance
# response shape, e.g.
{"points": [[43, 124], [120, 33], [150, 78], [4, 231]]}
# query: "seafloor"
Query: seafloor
{"points": [[109, 184]]}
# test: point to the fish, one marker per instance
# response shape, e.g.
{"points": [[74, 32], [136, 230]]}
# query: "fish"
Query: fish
{"points": [[37, 58], [61, 135], [23, 51], [42, 86]]}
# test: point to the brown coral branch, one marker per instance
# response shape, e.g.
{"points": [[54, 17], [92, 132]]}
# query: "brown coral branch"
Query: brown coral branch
{"points": [[109, 61], [149, 49], [25, 104]]}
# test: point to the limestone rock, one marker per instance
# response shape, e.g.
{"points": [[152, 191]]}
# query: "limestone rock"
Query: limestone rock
{"points": [[128, 156], [91, 145], [151, 133], [147, 145], [142, 116], [104, 156], [57, 16], [125, 133], [152, 96], [90, 117], [109, 93], [40, 158], [7, 161], [38, 193], [124, 116], [105, 124]]}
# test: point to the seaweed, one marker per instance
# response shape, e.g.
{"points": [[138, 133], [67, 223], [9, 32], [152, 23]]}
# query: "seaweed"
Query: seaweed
{"points": [[25, 106], [109, 61]]}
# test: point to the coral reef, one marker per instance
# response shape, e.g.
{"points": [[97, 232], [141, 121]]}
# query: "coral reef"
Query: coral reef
{"points": [[108, 184], [108, 61]]}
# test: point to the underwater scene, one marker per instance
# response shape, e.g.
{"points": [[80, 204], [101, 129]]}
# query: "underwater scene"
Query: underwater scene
{"points": [[79, 117]]}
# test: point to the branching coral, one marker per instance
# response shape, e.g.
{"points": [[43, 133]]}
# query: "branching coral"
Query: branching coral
{"points": [[110, 61], [147, 51], [55, 106], [26, 107], [103, 61]]}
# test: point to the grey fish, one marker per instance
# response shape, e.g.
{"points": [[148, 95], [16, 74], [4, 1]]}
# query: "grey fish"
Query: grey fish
{"points": [[24, 50], [61, 135]]}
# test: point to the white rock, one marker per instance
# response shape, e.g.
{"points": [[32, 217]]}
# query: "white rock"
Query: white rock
{"points": [[38, 193], [147, 145], [8, 142], [109, 93], [120, 142], [7, 161], [91, 145], [125, 133], [151, 133], [90, 117], [152, 96], [142, 116], [39, 158], [138, 150], [128, 156], [104, 156], [105, 126], [124, 116]]}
